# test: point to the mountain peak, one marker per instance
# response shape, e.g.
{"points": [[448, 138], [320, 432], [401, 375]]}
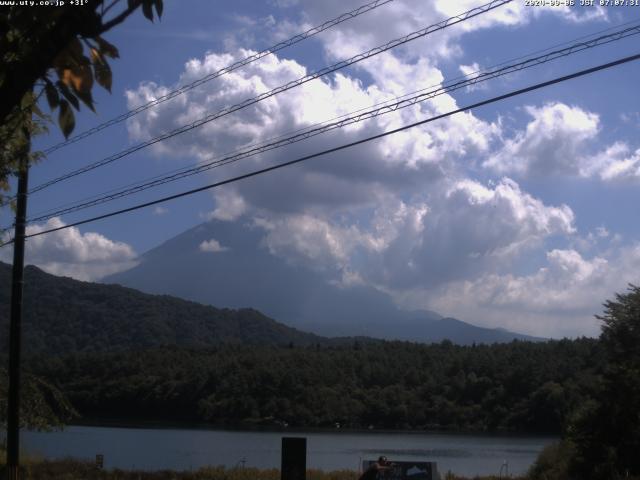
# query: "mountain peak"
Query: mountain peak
{"points": [[239, 271], [66, 315]]}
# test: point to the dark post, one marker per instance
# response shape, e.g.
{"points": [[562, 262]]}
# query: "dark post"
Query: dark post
{"points": [[294, 458], [13, 407]]}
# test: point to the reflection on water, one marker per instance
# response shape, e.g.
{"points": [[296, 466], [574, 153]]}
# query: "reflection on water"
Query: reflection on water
{"points": [[154, 449], [415, 452]]}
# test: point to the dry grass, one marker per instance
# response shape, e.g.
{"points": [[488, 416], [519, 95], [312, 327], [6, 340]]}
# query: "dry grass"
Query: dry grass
{"points": [[71, 469]]}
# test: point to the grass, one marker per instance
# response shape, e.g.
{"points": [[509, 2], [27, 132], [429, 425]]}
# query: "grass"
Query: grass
{"points": [[35, 468], [71, 469]]}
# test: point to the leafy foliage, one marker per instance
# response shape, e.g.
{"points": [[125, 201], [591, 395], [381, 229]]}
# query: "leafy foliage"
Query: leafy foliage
{"points": [[553, 462], [384, 385], [43, 406], [122, 354], [606, 431], [69, 469], [57, 53], [65, 315]]}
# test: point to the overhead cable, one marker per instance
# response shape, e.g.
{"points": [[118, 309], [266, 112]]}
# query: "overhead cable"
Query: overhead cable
{"points": [[283, 88], [505, 96], [228, 69], [362, 115]]}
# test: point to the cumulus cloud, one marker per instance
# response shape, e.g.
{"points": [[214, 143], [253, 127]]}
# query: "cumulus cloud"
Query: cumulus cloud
{"points": [[616, 163], [517, 218], [559, 286], [468, 229], [160, 211], [212, 246], [402, 213], [309, 239], [552, 143], [472, 71], [561, 297], [342, 245], [519, 13], [350, 177], [405, 16], [595, 240], [395, 214], [557, 142], [472, 228], [83, 256], [229, 205]]}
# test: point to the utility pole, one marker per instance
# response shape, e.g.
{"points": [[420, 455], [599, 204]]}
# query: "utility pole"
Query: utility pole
{"points": [[13, 407]]}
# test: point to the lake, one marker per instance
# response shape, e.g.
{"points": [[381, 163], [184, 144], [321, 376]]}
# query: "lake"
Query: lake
{"points": [[184, 449]]}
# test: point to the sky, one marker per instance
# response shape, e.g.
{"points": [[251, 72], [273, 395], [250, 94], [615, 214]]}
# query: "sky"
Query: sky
{"points": [[521, 214]]}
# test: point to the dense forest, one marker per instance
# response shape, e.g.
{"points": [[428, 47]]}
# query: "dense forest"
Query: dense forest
{"points": [[65, 315], [110, 354], [519, 386]]}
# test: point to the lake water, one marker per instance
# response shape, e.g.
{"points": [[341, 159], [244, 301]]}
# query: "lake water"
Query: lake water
{"points": [[155, 449]]}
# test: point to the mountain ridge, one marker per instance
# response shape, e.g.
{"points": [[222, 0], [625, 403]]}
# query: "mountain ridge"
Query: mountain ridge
{"points": [[66, 315], [242, 272]]}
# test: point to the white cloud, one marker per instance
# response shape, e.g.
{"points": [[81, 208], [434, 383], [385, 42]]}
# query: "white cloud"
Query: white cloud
{"points": [[561, 297], [314, 240], [229, 205], [344, 213], [450, 254], [409, 159], [284, 3], [463, 230], [552, 143], [404, 16], [160, 211], [602, 232], [400, 213], [507, 205], [340, 245], [470, 229], [616, 163], [631, 118], [519, 12], [471, 71], [212, 246], [596, 240], [556, 142], [83, 256]]}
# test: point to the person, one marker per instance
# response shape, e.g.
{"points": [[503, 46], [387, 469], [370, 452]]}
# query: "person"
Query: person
{"points": [[372, 472]]}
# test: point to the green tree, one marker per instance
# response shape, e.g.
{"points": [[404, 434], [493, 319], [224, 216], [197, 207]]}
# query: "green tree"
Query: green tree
{"points": [[44, 406], [552, 463], [606, 432], [58, 53]]}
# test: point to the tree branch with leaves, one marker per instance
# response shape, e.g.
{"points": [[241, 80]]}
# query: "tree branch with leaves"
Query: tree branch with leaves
{"points": [[60, 53], [44, 407]]}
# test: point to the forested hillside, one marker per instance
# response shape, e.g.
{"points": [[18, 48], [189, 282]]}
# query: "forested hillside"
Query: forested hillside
{"points": [[65, 315], [519, 386], [299, 296]]}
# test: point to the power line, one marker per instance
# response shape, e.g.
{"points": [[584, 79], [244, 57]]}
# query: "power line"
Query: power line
{"points": [[332, 125], [177, 174], [344, 146], [548, 49], [228, 69], [288, 86], [309, 127]]}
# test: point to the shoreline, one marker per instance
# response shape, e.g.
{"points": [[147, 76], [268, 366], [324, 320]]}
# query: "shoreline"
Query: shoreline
{"points": [[156, 449], [85, 470], [169, 425]]}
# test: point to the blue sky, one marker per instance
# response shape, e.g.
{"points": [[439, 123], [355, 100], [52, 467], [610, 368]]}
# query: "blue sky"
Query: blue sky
{"points": [[520, 214]]}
